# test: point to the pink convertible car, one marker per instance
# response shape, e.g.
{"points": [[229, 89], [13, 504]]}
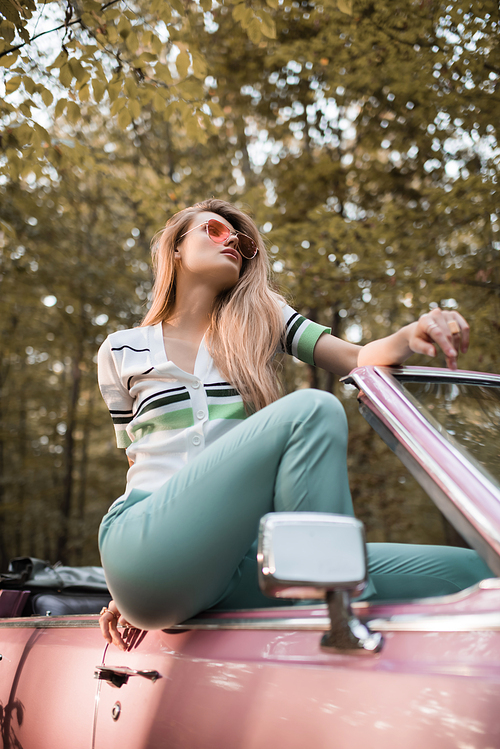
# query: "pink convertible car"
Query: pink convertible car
{"points": [[321, 671]]}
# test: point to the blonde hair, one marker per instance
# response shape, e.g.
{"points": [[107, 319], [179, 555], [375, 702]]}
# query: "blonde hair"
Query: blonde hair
{"points": [[246, 324]]}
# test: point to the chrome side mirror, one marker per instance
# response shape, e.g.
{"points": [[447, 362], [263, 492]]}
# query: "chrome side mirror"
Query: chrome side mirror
{"points": [[318, 555]]}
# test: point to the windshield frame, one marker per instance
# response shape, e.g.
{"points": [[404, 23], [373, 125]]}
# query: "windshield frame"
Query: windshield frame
{"points": [[453, 481]]}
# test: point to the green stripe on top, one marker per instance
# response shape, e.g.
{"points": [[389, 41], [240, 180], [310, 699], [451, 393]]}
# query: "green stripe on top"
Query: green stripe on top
{"points": [[122, 439], [222, 393], [308, 340], [166, 401], [181, 419], [298, 322], [227, 411]]}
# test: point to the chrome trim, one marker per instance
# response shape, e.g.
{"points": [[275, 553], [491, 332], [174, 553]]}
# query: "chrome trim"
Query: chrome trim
{"points": [[117, 676], [432, 468], [435, 373], [46, 622], [442, 374], [314, 624], [486, 622], [348, 635]]}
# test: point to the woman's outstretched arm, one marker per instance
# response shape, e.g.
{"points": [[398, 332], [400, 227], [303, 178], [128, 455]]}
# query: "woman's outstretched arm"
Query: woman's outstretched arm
{"points": [[446, 330]]}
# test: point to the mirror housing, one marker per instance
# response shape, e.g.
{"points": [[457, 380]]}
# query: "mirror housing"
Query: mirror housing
{"points": [[319, 555], [308, 554]]}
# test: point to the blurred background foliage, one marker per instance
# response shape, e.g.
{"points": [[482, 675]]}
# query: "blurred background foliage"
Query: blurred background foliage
{"points": [[360, 134]]}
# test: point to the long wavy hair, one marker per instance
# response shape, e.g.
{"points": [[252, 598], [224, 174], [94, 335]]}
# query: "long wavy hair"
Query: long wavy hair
{"points": [[246, 323]]}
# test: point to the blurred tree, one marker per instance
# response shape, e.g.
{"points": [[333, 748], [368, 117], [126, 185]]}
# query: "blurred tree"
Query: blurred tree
{"points": [[363, 138], [59, 57]]}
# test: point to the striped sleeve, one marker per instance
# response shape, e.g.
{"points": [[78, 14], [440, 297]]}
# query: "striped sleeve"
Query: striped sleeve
{"points": [[301, 335], [115, 393]]}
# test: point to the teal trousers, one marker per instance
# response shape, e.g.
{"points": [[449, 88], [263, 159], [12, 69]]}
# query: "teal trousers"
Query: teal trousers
{"points": [[184, 547]]}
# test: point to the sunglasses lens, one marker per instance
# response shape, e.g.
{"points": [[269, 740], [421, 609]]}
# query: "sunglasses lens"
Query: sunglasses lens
{"points": [[218, 232], [246, 246]]}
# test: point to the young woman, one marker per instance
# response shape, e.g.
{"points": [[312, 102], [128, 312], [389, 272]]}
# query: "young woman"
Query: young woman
{"points": [[211, 445]]}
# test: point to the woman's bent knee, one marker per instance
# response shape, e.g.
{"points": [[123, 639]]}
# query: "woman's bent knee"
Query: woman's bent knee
{"points": [[317, 403]]}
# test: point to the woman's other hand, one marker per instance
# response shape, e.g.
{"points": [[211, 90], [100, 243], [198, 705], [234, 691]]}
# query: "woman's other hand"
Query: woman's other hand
{"points": [[109, 620], [447, 330]]}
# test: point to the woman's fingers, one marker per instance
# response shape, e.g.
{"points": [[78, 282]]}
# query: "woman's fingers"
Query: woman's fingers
{"points": [[459, 327], [108, 622], [448, 330]]}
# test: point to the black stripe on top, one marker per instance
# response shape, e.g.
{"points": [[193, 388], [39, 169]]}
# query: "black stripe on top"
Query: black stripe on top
{"points": [[142, 373], [111, 411], [292, 332], [121, 419], [138, 350], [290, 321], [222, 393], [167, 401], [156, 395]]}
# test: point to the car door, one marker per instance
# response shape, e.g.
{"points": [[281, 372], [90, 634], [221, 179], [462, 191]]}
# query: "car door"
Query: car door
{"points": [[48, 686], [247, 680]]}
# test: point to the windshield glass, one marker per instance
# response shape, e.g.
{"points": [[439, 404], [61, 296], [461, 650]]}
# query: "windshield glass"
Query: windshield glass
{"points": [[468, 415]]}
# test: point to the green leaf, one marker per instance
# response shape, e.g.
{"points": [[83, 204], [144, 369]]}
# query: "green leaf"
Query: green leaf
{"points": [[114, 90], [268, 25], [73, 112], [13, 84], [41, 132], [118, 105], [345, 6], [273, 4], [132, 42], [60, 107], [147, 57], [134, 108], [131, 87], [84, 92], [29, 85], [239, 11], [124, 119], [65, 75], [182, 63], [9, 60], [192, 128], [199, 65], [61, 59], [157, 45], [162, 73], [9, 12], [123, 27], [98, 87], [158, 102], [88, 20], [47, 97], [112, 34], [254, 31], [7, 32]]}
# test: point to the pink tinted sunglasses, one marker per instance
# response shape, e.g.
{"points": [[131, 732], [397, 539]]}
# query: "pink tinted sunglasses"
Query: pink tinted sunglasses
{"points": [[220, 233]]}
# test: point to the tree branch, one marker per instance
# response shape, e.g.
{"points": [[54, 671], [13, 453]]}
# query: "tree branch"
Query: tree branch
{"points": [[50, 31]]}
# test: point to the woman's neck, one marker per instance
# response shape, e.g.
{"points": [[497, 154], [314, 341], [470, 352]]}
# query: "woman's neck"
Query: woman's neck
{"points": [[191, 314]]}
